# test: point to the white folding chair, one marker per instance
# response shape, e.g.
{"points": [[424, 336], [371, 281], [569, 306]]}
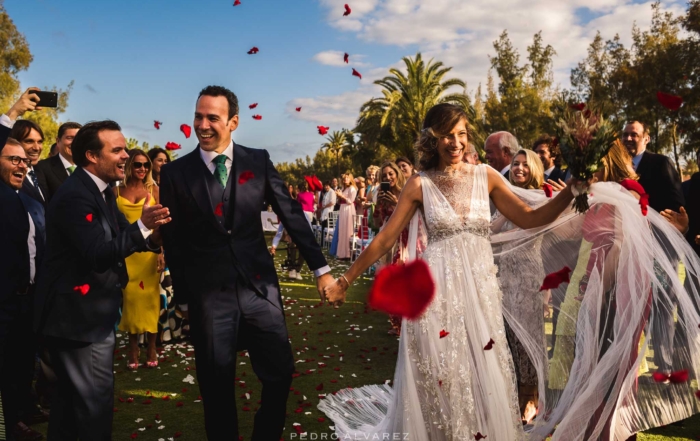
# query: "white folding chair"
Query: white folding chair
{"points": [[328, 235]]}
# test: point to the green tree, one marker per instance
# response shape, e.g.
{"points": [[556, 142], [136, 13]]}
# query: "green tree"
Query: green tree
{"points": [[337, 144], [395, 119], [522, 102]]}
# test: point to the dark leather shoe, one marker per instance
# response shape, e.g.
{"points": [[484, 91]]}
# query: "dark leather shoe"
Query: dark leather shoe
{"points": [[37, 416], [24, 433]]}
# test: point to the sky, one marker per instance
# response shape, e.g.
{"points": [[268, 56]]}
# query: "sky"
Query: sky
{"points": [[136, 61]]}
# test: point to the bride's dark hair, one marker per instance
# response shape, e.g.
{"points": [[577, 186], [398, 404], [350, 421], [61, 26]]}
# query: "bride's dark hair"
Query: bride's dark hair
{"points": [[439, 121]]}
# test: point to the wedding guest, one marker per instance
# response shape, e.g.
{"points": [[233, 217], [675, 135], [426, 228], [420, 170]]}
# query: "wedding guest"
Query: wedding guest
{"points": [[159, 157], [141, 304], [306, 199], [361, 194], [22, 234], [406, 166], [327, 203], [87, 240], [499, 149], [335, 188], [345, 216], [548, 150], [294, 257], [372, 179], [54, 170], [30, 135], [386, 203], [522, 295]]}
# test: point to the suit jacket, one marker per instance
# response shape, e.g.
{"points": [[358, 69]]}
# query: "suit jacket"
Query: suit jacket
{"points": [[51, 175], [661, 182], [202, 251], [4, 134], [31, 191], [557, 174], [87, 241], [14, 232], [693, 209]]}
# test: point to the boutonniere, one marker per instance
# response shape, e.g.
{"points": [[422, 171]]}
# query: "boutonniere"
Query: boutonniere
{"points": [[245, 177]]}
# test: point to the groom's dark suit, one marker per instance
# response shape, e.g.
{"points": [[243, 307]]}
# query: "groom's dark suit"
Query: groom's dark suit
{"points": [[222, 269]]}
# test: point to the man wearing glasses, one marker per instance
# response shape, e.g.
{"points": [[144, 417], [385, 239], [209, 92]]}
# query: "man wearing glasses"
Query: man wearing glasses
{"points": [[22, 234]]}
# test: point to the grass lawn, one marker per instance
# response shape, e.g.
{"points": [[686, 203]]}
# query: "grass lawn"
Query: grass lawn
{"points": [[333, 349]]}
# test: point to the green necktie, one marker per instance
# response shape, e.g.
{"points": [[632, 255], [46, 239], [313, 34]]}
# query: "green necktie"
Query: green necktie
{"points": [[71, 169], [220, 173]]}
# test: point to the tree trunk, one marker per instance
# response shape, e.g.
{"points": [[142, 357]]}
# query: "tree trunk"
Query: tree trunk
{"points": [[675, 151]]}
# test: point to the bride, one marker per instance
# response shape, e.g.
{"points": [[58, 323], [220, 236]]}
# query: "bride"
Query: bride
{"points": [[445, 387]]}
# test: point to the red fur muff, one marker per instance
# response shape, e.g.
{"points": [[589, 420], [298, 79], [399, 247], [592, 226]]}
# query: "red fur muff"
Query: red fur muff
{"points": [[403, 290]]}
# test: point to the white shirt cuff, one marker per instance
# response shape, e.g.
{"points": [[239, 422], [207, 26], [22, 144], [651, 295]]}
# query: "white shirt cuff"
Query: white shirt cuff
{"points": [[321, 271], [6, 121], [183, 308], [145, 231]]}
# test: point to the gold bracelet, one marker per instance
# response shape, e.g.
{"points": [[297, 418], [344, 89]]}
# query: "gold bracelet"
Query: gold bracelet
{"points": [[346, 280]]}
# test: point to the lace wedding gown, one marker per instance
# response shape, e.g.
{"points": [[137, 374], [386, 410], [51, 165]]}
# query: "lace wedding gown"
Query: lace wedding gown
{"points": [[446, 387]]}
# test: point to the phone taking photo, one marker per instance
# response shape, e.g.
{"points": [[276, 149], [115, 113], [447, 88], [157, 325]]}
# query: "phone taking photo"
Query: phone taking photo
{"points": [[46, 99], [385, 187]]}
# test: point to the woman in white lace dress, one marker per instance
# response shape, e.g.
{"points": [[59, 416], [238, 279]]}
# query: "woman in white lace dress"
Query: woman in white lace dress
{"points": [[445, 387]]}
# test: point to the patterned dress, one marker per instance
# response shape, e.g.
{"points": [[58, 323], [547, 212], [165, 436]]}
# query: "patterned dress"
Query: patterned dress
{"points": [[445, 387]]}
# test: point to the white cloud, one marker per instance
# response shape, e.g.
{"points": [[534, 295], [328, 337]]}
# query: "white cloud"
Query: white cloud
{"points": [[461, 33], [337, 111], [335, 58]]}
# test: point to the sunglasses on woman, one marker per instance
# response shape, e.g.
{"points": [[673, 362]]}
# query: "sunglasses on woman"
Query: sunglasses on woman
{"points": [[138, 165]]}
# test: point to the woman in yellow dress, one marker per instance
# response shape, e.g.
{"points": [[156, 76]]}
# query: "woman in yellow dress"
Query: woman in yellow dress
{"points": [[141, 303]]}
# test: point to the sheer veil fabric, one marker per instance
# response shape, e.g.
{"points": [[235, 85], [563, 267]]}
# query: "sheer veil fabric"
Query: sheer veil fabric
{"points": [[594, 359]]}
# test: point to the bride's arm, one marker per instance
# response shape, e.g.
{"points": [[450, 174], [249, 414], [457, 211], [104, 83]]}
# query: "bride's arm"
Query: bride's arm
{"points": [[517, 211], [410, 199]]}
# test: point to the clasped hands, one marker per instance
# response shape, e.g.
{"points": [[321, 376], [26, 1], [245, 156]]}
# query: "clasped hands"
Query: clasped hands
{"points": [[331, 290]]}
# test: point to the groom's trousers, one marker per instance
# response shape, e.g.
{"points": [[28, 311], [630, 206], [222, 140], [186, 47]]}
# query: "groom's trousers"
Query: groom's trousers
{"points": [[223, 320]]}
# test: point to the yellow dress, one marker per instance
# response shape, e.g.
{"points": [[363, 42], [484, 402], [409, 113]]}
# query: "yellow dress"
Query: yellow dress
{"points": [[141, 304]]}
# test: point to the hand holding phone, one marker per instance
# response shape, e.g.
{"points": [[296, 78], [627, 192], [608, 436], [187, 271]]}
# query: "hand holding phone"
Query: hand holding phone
{"points": [[385, 186], [47, 99]]}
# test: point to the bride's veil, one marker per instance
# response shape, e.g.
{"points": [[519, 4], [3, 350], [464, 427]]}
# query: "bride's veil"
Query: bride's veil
{"points": [[629, 311]]}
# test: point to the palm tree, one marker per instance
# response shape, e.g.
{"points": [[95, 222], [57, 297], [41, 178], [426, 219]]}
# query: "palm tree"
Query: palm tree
{"points": [[406, 99], [337, 143]]}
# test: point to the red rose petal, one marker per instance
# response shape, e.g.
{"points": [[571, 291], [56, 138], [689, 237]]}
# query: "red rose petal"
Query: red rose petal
{"points": [[157, 124], [346, 57], [172, 146], [444, 334], [547, 190], [245, 177], [141, 284], [319, 387], [356, 73], [479, 436], [671, 102], [219, 210], [237, 2], [489, 345], [347, 10], [186, 130], [253, 50], [298, 109], [253, 106], [403, 290], [257, 117], [659, 377], [82, 289], [322, 130], [88, 217], [579, 106], [553, 280], [679, 376]]}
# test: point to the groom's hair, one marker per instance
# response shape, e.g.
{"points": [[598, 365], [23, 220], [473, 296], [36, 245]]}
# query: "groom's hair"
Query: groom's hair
{"points": [[222, 91]]}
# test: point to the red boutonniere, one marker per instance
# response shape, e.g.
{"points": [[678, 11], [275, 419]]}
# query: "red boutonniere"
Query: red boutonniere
{"points": [[245, 177]]}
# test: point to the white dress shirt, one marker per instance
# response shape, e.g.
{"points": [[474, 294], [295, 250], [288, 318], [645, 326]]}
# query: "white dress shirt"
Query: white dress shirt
{"points": [[637, 159], [328, 198], [31, 242], [66, 164], [6, 121]]}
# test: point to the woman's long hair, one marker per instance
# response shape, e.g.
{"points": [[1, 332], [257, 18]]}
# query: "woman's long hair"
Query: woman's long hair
{"points": [[352, 180], [536, 170], [400, 178], [128, 170], [617, 164], [439, 121]]}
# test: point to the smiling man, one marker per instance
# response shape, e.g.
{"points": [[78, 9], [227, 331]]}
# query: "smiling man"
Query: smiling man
{"points": [[53, 171], [87, 240], [30, 135], [221, 269]]}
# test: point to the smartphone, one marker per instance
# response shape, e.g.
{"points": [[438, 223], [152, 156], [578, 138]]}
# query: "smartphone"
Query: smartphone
{"points": [[46, 99], [384, 186]]}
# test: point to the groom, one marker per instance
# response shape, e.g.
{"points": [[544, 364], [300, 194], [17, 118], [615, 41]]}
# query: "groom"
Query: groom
{"points": [[224, 278]]}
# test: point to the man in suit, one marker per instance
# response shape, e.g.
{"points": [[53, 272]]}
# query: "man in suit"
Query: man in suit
{"points": [[26, 103], [548, 151], [656, 172], [30, 135], [499, 149], [221, 269], [691, 193], [22, 234], [52, 171], [88, 239]]}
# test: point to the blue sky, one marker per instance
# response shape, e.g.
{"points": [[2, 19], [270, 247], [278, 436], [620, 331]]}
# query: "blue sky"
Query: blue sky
{"points": [[136, 61]]}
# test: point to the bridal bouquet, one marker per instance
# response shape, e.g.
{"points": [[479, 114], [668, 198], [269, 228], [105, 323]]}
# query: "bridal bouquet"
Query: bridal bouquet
{"points": [[584, 137]]}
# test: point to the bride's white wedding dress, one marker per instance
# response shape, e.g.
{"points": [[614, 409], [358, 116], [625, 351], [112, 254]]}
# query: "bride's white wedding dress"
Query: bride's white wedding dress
{"points": [[446, 387]]}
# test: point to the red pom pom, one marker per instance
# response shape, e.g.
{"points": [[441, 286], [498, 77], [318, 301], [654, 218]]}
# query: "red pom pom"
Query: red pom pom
{"points": [[403, 290]]}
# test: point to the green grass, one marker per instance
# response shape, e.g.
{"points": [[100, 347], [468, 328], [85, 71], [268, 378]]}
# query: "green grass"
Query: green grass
{"points": [[351, 341]]}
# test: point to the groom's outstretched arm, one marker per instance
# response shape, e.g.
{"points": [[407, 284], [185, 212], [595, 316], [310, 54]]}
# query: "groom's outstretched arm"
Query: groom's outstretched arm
{"points": [[294, 220]]}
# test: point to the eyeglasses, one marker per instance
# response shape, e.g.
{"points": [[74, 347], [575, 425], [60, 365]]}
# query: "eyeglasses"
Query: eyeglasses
{"points": [[137, 165], [15, 160]]}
